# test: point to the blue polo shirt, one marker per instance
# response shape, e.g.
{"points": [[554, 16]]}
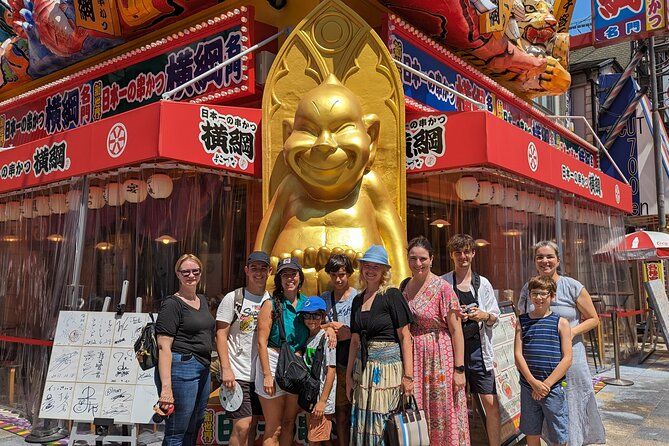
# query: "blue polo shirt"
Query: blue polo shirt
{"points": [[296, 332]]}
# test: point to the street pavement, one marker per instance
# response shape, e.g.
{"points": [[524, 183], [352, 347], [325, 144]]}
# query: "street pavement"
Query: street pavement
{"points": [[637, 415]]}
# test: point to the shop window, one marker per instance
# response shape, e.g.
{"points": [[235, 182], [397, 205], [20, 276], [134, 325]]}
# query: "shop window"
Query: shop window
{"points": [[139, 221]]}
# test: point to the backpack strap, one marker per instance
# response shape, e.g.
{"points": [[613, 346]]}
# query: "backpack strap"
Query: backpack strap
{"points": [[239, 303], [279, 320], [475, 284], [331, 305], [318, 359]]}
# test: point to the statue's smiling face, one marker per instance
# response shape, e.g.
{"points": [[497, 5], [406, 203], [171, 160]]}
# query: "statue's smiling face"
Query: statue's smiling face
{"points": [[328, 145]]}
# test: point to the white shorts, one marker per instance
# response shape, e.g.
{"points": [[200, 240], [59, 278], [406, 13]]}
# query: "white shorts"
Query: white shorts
{"points": [[260, 388]]}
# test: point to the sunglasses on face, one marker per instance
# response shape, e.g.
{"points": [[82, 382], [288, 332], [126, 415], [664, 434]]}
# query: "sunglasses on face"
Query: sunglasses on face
{"points": [[311, 316], [187, 272]]}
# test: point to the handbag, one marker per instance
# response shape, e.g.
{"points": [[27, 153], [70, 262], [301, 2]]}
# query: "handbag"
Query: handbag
{"points": [[407, 426], [146, 346], [291, 370]]}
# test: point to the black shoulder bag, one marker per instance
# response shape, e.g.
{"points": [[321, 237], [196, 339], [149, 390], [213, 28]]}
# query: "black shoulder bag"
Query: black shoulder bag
{"points": [[146, 346], [292, 373]]}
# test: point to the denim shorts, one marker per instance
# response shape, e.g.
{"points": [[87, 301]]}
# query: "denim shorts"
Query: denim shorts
{"points": [[553, 409]]}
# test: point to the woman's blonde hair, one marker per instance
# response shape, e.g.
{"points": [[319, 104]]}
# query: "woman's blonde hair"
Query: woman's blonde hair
{"points": [[183, 258], [385, 280]]}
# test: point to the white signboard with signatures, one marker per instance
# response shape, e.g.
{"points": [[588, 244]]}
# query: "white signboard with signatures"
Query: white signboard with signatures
{"points": [[93, 372]]}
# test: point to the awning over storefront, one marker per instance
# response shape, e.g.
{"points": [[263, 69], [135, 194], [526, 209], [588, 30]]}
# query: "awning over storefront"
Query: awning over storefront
{"points": [[212, 136], [480, 139]]}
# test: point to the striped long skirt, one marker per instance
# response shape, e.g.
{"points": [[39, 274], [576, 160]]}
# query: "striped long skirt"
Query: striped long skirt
{"points": [[376, 394]]}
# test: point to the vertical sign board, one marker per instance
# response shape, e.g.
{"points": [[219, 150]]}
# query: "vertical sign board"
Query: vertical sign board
{"points": [[93, 372], [507, 376], [624, 150], [658, 298]]}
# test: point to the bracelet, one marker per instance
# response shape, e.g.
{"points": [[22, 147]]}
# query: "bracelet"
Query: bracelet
{"points": [[410, 378]]}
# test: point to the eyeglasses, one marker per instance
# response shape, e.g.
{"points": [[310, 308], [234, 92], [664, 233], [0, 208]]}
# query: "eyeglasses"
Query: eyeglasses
{"points": [[187, 272], [539, 293], [311, 316]]}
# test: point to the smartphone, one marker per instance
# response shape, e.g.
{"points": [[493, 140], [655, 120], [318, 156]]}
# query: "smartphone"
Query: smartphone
{"points": [[470, 308]]}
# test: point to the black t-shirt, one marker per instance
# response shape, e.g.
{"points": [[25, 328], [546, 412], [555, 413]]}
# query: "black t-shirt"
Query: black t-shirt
{"points": [[389, 312], [192, 330]]}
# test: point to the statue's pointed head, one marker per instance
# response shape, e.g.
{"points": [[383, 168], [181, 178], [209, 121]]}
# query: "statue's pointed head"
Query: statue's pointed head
{"points": [[330, 144]]}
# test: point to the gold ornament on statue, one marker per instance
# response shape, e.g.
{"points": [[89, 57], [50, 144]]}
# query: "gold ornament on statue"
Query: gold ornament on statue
{"points": [[333, 146]]}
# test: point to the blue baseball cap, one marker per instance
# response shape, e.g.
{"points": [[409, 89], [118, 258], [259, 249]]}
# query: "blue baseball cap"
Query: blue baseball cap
{"points": [[376, 254], [313, 304]]}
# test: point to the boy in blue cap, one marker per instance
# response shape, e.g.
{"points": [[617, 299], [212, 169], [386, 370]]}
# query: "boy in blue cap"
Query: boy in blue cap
{"points": [[319, 421]]}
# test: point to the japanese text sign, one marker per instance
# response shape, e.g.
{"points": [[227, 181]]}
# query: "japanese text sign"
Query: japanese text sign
{"points": [[491, 142], [616, 20], [217, 137], [136, 79], [427, 58]]}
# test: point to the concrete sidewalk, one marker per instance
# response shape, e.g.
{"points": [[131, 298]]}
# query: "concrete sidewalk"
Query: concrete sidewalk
{"points": [[638, 415]]}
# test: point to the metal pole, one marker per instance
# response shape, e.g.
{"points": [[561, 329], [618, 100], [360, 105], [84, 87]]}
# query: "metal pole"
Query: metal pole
{"points": [[558, 222], [429, 80], [617, 381], [657, 143], [79, 246], [235, 58]]}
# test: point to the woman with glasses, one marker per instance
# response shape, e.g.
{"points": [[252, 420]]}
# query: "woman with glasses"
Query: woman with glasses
{"points": [[572, 302], [380, 361], [279, 407], [184, 330]]}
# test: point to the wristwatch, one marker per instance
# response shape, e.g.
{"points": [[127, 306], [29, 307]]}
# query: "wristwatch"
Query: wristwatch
{"points": [[459, 369]]}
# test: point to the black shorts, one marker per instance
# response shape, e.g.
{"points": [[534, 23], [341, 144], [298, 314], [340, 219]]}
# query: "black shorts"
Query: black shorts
{"points": [[480, 380], [250, 404]]}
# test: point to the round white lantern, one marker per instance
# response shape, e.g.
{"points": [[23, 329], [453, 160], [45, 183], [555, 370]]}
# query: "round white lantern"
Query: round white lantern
{"points": [[135, 190], [159, 185], [13, 210], [497, 194], [3, 212], [510, 198], [114, 194], [73, 199], [96, 197], [467, 188], [42, 206], [523, 200], [485, 193], [58, 204], [27, 208]]}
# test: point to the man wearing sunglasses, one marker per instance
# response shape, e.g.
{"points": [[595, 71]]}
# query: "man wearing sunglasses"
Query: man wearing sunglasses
{"points": [[236, 344]]}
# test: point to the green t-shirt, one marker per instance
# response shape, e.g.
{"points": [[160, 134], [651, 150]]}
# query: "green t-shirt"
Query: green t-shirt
{"points": [[296, 332]]}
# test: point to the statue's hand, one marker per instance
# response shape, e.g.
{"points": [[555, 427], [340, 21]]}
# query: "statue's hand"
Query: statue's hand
{"points": [[555, 78]]}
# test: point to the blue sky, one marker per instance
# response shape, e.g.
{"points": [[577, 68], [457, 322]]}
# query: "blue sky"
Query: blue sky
{"points": [[581, 21]]}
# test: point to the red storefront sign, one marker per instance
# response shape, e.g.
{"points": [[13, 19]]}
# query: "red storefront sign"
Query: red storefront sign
{"points": [[214, 136], [480, 139], [140, 77]]}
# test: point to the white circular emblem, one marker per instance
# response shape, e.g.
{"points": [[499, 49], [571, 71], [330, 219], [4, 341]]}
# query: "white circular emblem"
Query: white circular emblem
{"points": [[430, 160], [617, 190], [532, 157], [117, 139], [243, 164]]}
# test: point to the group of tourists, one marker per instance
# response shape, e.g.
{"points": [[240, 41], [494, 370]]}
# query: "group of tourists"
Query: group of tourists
{"points": [[428, 339]]}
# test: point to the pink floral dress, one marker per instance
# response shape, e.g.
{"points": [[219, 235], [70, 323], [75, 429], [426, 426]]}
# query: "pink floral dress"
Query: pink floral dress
{"points": [[433, 364]]}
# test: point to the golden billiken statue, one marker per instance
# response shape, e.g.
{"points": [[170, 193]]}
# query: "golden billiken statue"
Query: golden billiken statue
{"points": [[330, 197]]}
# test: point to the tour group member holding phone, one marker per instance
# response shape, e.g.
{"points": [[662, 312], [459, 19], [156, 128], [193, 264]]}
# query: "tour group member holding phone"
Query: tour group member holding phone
{"points": [[480, 314]]}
